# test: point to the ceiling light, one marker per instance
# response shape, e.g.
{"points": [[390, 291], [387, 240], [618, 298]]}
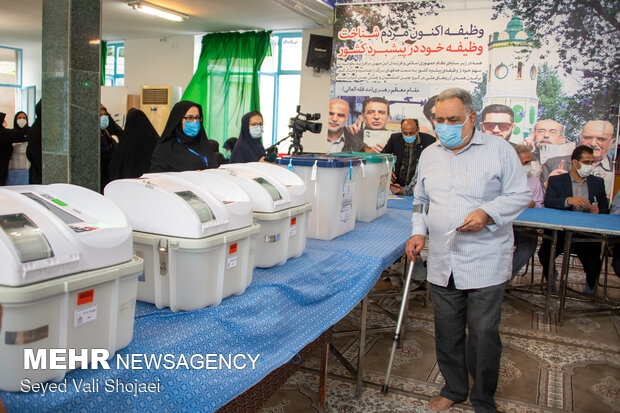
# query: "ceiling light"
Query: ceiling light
{"points": [[159, 11]]}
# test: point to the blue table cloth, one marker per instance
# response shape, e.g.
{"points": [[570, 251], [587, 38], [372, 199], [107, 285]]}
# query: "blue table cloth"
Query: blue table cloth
{"points": [[284, 309], [548, 218], [405, 203], [570, 220]]}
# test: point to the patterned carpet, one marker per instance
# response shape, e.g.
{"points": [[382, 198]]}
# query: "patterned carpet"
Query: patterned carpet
{"points": [[545, 367]]}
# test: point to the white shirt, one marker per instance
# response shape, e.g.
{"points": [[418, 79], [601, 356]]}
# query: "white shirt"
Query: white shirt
{"points": [[486, 174]]}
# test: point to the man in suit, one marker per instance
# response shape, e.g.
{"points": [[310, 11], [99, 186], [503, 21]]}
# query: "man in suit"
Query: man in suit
{"points": [[577, 190], [407, 147]]}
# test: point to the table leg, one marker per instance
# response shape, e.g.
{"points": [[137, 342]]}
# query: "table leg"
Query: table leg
{"points": [[323, 375], [564, 276], [551, 267], [359, 379]]}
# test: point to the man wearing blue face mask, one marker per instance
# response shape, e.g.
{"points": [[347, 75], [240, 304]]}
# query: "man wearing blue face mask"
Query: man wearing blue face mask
{"points": [[470, 188], [407, 147]]}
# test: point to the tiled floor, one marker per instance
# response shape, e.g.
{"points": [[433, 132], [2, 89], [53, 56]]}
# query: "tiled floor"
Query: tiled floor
{"points": [[545, 367]]}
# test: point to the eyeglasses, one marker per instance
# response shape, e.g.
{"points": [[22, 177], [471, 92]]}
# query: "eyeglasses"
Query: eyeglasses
{"points": [[192, 118], [256, 124], [502, 126]]}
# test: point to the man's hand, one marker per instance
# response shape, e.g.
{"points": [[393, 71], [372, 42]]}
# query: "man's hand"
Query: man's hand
{"points": [[397, 189], [579, 202], [475, 221], [593, 209], [559, 170], [414, 246], [377, 148], [532, 204], [356, 126], [529, 141], [394, 178]]}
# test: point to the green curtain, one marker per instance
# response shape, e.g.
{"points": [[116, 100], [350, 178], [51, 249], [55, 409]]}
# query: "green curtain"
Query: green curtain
{"points": [[226, 81], [104, 56]]}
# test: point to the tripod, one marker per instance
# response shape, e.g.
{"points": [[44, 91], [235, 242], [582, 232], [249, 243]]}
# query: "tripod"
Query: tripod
{"points": [[296, 147]]}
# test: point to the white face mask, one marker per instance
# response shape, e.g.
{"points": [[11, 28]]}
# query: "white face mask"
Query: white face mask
{"points": [[527, 168], [256, 131], [584, 171], [21, 122]]}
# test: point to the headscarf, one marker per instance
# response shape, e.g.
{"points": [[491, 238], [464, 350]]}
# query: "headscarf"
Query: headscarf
{"points": [[230, 144], [132, 158], [7, 138], [178, 152], [113, 127], [247, 149], [215, 147], [16, 126], [33, 151]]}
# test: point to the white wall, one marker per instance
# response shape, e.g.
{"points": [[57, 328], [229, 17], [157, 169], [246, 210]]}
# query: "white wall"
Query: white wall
{"points": [[31, 68], [314, 95], [159, 62]]}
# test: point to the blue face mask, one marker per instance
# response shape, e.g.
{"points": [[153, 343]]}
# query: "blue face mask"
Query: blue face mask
{"points": [[449, 135], [191, 129], [409, 139], [104, 121]]}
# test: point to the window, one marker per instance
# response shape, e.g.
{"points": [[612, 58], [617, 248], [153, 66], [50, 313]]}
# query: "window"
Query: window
{"points": [[10, 67], [280, 75], [14, 97], [115, 64]]}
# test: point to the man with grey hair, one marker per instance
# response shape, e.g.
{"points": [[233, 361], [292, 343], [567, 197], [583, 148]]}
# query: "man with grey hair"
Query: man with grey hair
{"points": [[598, 135], [339, 139], [526, 240], [470, 188]]}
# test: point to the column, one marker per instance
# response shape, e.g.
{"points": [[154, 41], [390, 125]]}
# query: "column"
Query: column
{"points": [[71, 91]]}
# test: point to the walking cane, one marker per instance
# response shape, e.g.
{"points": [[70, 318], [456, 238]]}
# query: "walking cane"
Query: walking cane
{"points": [[401, 316]]}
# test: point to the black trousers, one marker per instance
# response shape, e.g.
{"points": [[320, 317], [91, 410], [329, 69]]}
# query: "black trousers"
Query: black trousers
{"points": [[589, 254], [477, 352]]}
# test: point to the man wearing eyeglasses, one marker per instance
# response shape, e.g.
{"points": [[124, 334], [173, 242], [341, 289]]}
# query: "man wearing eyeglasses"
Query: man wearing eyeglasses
{"points": [[547, 132], [577, 190], [498, 120], [598, 135]]}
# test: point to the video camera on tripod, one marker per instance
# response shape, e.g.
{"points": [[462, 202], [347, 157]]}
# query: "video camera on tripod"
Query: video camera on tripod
{"points": [[299, 124]]}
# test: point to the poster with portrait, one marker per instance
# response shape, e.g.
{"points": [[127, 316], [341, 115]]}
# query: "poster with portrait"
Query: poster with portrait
{"points": [[537, 78]]}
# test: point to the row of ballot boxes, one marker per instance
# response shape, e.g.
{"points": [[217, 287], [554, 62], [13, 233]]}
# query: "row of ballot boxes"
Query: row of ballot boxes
{"points": [[74, 261]]}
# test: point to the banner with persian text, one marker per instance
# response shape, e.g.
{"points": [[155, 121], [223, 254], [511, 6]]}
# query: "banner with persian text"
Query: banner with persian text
{"points": [[537, 78]]}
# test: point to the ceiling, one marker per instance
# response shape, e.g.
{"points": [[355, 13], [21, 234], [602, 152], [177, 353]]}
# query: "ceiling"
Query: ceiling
{"points": [[20, 21]]}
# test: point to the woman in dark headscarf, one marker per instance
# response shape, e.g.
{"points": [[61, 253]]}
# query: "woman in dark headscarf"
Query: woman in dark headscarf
{"points": [[132, 158], [7, 138], [107, 146], [215, 148], [229, 145], [249, 146], [33, 151], [184, 145], [20, 122], [108, 123]]}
